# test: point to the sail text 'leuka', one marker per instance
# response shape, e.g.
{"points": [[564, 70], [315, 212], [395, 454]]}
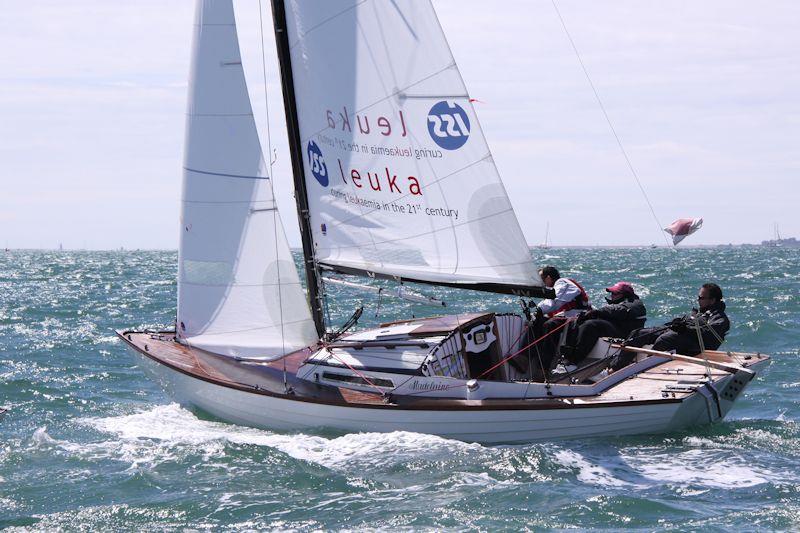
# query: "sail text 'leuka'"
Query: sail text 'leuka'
{"points": [[383, 124], [380, 181]]}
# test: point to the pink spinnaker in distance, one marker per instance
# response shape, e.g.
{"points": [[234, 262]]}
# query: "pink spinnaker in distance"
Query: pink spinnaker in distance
{"points": [[682, 228]]}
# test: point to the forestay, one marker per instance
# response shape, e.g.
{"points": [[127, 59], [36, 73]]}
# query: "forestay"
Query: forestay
{"points": [[238, 290], [400, 179]]}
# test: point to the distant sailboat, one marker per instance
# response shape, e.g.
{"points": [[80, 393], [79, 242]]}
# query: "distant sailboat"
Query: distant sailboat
{"points": [[546, 243], [778, 240], [393, 179]]}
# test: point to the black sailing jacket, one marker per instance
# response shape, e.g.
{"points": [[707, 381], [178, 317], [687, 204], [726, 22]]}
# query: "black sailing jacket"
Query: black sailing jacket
{"points": [[626, 315], [713, 324]]}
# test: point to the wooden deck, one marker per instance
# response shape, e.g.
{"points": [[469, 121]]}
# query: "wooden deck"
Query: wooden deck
{"points": [[665, 383]]}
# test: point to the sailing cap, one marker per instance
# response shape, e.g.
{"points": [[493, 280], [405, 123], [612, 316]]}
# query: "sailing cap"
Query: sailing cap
{"points": [[621, 286]]}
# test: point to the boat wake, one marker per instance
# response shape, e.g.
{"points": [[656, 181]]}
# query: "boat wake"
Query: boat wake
{"points": [[169, 433], [165, 432]]}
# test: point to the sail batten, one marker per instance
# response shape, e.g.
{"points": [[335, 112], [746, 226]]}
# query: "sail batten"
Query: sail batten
{"points": [[399, 177], [238, 289], [223, 175]]}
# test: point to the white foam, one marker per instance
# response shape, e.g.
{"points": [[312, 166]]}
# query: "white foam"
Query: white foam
{"points": [[701, 467], [477, 480], [707, 467], [163, 432], [41, 438], [593, 474]]}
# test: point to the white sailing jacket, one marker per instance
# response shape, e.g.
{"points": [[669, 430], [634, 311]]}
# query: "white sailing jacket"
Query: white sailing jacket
{"points": [[567, 291]]}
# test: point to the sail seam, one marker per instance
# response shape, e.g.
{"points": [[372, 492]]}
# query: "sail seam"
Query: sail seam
{"points": [[281, 284], [322, 23], [223, 174], [250, 329], [214, 202], [219, 114], [361, 245]]}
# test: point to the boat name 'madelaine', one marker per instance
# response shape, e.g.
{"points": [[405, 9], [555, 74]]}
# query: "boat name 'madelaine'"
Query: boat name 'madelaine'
{"points": [[417, 385]]}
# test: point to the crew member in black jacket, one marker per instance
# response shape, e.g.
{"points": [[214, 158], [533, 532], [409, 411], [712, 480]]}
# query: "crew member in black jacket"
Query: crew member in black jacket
{"points": [[681, 334], [623, 313]]}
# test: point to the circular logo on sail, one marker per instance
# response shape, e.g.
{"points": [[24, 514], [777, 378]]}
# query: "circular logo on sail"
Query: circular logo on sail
{"points": [[317, 164], [448, 125]]}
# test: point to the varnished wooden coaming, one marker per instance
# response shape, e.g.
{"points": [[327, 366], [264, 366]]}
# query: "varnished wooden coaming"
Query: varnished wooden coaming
{"points": [[267, 378]]}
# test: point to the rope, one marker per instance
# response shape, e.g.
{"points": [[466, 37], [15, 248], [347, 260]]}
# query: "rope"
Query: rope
{"points": [[535, 342], [701, 344], [735, 358], [530, 361], [610, 125], [356, 372]]}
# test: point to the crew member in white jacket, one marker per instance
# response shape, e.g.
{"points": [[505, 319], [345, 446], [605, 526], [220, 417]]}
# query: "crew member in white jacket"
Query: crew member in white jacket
{"points": [[570, 301]]}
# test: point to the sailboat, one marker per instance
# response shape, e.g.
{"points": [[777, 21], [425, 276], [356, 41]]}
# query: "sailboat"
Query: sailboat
{"points": [[394, 180], [546, 243]]}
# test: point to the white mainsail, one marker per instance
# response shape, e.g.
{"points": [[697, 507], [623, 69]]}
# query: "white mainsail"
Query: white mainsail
{"points": [[238, 289], [400, 178]]}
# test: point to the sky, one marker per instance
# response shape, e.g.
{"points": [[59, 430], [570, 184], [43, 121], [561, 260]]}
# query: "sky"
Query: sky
{"points": [[704, 96]]}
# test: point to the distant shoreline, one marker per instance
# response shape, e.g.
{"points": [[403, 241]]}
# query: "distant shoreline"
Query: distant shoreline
{"points": [[532, 248]]}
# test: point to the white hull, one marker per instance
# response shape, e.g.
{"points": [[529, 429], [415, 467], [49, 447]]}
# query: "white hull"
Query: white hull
{"points": [[488, 426]]}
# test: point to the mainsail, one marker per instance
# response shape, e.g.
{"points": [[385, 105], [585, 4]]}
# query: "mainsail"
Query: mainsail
{"points": [[238, 289], [400, 179]]}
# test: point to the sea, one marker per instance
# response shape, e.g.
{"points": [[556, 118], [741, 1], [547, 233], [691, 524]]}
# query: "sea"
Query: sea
{"points": [[89, 443]]}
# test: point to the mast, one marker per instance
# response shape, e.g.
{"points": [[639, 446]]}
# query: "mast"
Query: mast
{"points": [[547, 234], [295, 149]]}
